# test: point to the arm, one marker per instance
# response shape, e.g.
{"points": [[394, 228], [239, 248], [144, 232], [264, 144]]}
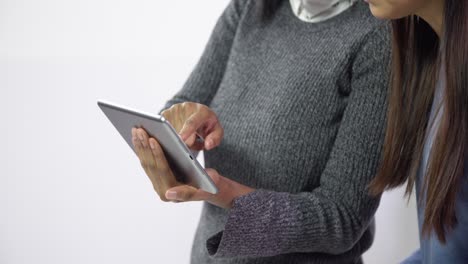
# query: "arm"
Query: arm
{"points": [[187, 111], [334, 216], [190, 116], [204, 80]]}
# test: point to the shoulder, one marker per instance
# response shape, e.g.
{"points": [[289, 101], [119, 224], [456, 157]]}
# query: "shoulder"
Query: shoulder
{"points": [[356, 30], [368, 38], [365, 27]]}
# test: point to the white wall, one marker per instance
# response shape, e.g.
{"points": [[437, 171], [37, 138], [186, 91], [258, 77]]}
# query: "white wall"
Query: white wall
{"points": [[70, 190]]}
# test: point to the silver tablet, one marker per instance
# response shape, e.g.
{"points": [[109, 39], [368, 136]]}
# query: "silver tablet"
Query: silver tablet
{"points": [[185, 166]]}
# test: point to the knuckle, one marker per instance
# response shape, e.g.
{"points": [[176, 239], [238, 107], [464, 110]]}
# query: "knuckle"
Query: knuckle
{"points": [[157, 151], [203, 107], [190, 123], [163, 171], [188, 194], [151, 165], [147, 165], [165, 113], [190, 105], [162, 194], [162, 197], [171, 109], [184, 196]]}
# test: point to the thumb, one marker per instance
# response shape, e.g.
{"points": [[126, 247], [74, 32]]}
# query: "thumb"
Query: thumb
{"points": [[185, 193]]}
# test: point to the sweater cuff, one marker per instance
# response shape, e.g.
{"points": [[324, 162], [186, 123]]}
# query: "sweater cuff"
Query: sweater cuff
{"points": [[246, 231]]}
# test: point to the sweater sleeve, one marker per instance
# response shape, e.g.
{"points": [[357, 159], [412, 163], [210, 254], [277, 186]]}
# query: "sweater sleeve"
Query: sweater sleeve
{"points": [[333, 217], [203, 82]]}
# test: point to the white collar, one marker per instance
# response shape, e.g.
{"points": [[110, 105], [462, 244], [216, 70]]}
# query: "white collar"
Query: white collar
{"points": [[314, 11]]}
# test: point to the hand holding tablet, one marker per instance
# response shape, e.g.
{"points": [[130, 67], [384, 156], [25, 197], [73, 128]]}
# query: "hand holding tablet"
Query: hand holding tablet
{"points": [[178, 156], [161, 174], [175, 174]]}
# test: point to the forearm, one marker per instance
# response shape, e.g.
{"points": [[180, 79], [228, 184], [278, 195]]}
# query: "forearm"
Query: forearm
{"points": [[267, 223]]}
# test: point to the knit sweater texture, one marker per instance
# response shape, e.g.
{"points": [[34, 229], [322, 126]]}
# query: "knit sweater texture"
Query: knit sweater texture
{"points": [[303, 107]]}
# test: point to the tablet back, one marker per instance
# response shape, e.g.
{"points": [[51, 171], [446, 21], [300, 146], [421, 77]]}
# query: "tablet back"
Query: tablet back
{"points": [[185, 166]]}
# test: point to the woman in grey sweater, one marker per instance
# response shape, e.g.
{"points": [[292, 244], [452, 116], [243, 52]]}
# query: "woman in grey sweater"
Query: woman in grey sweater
{"points": [[290, 99]]}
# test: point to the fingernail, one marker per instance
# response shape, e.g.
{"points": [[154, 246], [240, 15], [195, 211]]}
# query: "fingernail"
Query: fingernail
{"points": [[171, 195], [210, 143], [140, 136], [152, 145]]}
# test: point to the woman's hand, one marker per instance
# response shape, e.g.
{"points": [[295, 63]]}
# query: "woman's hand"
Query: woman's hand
{"points": [[164, 182], [192, 119]]}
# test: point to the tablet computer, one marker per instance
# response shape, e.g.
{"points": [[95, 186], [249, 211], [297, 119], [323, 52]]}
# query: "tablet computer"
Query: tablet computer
{"points": [[181, 160]]}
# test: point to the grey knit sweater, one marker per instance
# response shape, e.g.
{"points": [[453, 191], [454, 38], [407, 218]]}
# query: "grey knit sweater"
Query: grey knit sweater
{"points": [[303, 107]]}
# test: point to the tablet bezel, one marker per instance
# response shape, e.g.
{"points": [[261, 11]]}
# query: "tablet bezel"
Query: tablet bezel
{"points": [[180, 158]]}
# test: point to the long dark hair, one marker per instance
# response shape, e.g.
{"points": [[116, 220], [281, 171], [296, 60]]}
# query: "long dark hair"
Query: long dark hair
{"points": [[417, 57]]}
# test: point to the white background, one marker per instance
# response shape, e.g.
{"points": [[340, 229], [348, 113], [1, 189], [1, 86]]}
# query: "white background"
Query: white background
{"points": [[70, 189]]}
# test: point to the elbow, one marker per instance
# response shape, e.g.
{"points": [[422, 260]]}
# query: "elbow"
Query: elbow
{"points": [[352, 229], [359, 234], [355, 239], [361, 239]]}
